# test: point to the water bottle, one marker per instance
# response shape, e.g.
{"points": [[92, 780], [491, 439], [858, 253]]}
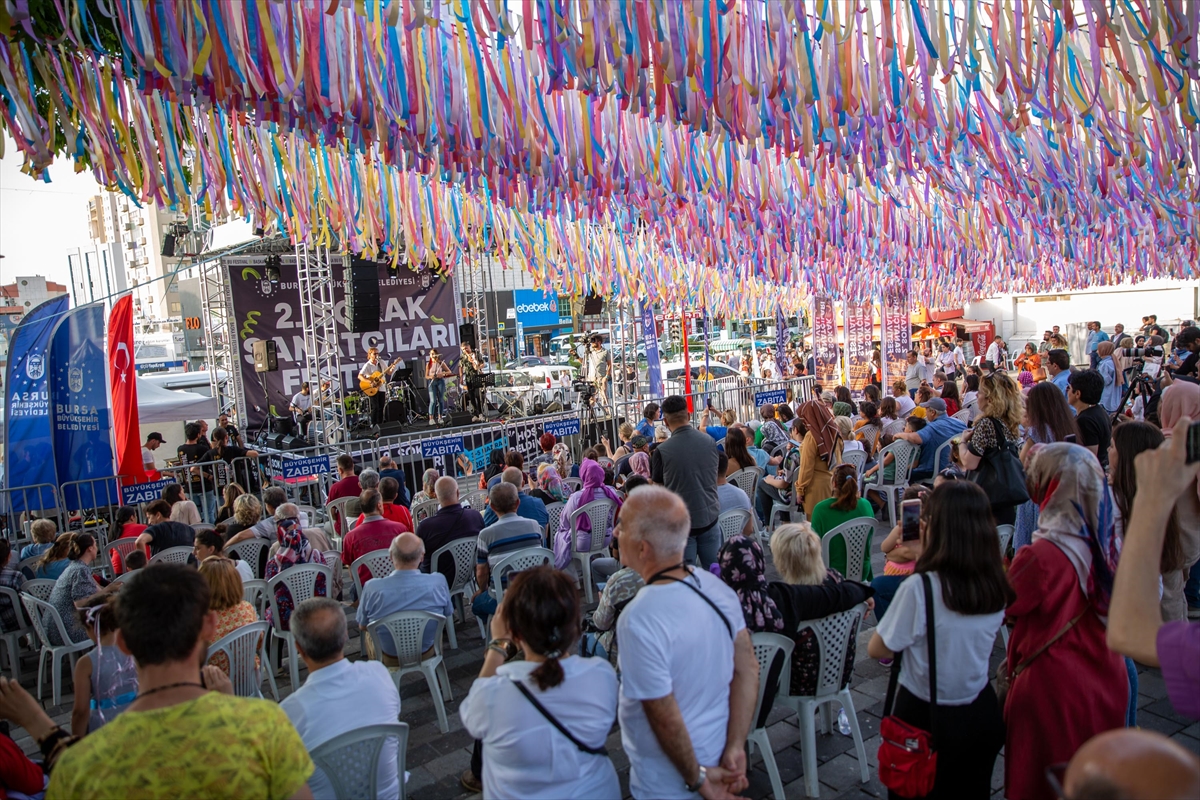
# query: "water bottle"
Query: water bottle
{"points": [[843, 723]]}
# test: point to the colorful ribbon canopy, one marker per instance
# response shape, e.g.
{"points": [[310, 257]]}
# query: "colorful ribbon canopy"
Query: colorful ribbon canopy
{"points": [[733, 154]]}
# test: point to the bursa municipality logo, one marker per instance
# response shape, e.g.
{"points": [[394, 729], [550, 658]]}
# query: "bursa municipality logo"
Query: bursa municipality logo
{"points": [[35, 366], [534, 308]]}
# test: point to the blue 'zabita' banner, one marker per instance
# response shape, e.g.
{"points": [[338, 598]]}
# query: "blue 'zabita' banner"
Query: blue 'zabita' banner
{"points": [[772, 396], [562, 427]]}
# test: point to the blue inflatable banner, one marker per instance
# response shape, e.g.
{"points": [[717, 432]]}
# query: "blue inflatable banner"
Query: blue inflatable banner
{"points": [[29, 441], [79, 408]]}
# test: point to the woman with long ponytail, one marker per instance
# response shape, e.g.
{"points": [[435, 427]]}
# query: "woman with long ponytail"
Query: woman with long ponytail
{"points": [[554, 696], [843, 506], [75, 585]]}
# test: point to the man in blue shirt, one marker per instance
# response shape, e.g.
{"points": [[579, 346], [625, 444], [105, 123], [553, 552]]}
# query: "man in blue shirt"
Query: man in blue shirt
{"points": [[1094, 338], [406, 589], [938, 429], [503, 537], [529, 508], [1058, 367]]}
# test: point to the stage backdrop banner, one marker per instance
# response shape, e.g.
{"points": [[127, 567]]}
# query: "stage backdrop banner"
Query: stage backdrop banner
{"points": [[79, 408], [859, 322], [825, 341], [418, 311], [122, 378], [895, 328], [28, 437]]}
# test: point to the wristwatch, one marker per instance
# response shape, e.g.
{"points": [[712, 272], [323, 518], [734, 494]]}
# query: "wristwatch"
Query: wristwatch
{"points": [[695, 787], [504, 647]]}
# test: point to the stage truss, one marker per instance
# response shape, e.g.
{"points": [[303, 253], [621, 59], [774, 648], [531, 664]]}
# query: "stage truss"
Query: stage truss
{"points": [[322, 359]]}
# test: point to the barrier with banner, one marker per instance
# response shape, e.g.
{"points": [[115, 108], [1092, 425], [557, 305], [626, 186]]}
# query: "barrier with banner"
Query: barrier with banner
{"points": [[824, 340], [859, 323], [895, 330]]}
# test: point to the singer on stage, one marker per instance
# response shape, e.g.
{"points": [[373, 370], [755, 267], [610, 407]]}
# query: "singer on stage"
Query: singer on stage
{"points": [[469, 376], [372, 371]]}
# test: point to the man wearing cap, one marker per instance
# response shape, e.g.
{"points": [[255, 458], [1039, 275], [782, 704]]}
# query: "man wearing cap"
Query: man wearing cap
{"points": [[638, 444], [152, 443], [687, 465], [938, 429]]}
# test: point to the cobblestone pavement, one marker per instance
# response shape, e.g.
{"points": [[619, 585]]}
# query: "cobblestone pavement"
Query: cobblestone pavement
{"points": [[436, 760]]}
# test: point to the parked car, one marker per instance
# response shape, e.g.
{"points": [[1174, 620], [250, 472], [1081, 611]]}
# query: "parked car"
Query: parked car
{"points": [[553, 382], [525, 361], [722, 376]]}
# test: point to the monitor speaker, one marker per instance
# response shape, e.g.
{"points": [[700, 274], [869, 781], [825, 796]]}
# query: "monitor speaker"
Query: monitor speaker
{"points": [[265, 357], [362, 296], [466, 335], [292, 442], [168, 245]]}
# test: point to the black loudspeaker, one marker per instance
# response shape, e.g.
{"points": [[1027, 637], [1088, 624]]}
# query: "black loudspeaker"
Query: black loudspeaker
{"points": [[466, 335], [391, 429], [458, 418], [393, 411], [593, 305], [293, 443], [283, 425], [265, 356], [276, 440], [362, 296], [168, 245]]}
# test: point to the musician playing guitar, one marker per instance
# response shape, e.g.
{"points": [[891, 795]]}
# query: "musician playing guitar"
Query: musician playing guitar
{"points": [[469, 370], [371, 378]]}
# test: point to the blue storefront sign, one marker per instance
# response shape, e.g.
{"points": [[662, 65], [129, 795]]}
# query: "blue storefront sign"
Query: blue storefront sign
{"points": [[562, 427], [534, 309], [148, 492], [441, 446], [772, 396]]}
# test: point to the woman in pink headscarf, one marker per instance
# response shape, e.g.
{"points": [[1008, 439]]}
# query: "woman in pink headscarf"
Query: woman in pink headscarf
{"points": [[639, 464], [592, 476], [1181, 399]]}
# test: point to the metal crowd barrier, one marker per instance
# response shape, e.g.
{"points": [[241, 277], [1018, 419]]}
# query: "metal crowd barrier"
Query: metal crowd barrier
{"points": [[95, 501]]}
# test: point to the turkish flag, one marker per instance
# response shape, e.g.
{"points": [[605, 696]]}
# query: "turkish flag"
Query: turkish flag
{"points": [[124, 392]]}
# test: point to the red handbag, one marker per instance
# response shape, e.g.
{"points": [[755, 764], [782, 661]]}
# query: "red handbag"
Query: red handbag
{"points": [[907, 757]]}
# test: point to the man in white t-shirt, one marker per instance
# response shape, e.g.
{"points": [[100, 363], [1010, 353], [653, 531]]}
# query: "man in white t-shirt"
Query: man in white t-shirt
{"points": [[687, 690], [152, 443], [301, 407]]}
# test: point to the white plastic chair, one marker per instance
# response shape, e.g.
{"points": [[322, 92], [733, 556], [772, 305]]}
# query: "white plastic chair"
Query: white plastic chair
{"points": [[855, 458], [334, 559], [123, 547], [963, 416], [554, 510], [246, 649], [377, 562], [301, 583], [12, 637], [857, 535], [253, 552], [44, 616], [1005, 532], [834, 634], [339, 513], [254, 592], [794, 511], [943, 448], [746, 479], [30, 564], [172, 555], [766, 647], [575, 483], [732, 523], [904, 458], [351, 760], [424, 510], [515, 561], [467, 483], [600, 514], [477, 501], [463, 552], [407, 630], [125, 576], [39, 588], [892, 428]]}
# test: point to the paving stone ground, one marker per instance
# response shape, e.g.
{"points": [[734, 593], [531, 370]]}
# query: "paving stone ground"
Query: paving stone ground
{"points": [[435, 760]]}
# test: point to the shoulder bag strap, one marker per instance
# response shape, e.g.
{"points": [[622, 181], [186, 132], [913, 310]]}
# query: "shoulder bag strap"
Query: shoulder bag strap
{"points": [[1062, 632], [594, 751], [703, 596], [931, 642]]}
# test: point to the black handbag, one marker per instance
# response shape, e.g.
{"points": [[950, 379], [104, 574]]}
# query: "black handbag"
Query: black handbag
{"points": [[999, 473]]}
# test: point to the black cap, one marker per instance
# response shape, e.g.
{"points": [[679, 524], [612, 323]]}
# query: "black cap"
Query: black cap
{"points": [[674, 404], [155, 435]]}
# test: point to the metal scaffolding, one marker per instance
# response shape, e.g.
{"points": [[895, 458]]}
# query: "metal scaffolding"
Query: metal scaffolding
{"points": [[220, 344], [322, 357]]}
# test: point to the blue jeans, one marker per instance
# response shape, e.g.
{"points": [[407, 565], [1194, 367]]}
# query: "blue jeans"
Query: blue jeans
{"points": [[437, 397], [484, 606], [885, 587], [1192, 589], [707, 544]]}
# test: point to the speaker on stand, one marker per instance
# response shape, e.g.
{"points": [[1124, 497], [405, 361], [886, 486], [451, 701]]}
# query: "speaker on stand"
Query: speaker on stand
{"points": [[265, 356], [362, 295], [466, 335]]}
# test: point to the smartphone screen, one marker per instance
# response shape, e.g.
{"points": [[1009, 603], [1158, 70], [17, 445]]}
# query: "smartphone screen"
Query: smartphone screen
{"points": [[910, 520], [1070, 438], [1193, 442]]}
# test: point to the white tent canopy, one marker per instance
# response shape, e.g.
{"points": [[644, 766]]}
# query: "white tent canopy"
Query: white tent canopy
{"points": [[157, 405]]}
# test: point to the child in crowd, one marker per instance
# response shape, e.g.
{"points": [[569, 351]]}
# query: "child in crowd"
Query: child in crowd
{"points": [[105, 678], [888, 464], [135, 560]]}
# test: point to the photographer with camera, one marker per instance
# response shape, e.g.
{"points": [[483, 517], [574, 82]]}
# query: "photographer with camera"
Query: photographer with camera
{"points": [[1188, 340]]}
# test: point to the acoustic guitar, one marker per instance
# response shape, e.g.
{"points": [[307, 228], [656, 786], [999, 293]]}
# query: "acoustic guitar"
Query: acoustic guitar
{"points": [[371, 386]]}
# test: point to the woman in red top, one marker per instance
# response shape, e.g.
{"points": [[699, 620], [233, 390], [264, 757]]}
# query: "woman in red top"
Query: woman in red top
{"points": [[125, 526], [1066, 685], [950, 395]]}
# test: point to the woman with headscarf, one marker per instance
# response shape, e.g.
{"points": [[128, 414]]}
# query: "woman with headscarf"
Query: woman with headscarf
{"points": [[639, 464], [550, 487], [294, 548], [1066, 686], [743, 569], [820, 449], [1109, 367], [592, 475], [562, 461], [1181, 399]]}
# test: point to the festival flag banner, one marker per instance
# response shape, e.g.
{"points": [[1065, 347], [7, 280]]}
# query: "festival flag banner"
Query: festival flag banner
{"points": [[29, 440], [781, 339], [895, 328], [79, 411], [824, 340], [650, 338], [124, 391], [859, 322]]}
